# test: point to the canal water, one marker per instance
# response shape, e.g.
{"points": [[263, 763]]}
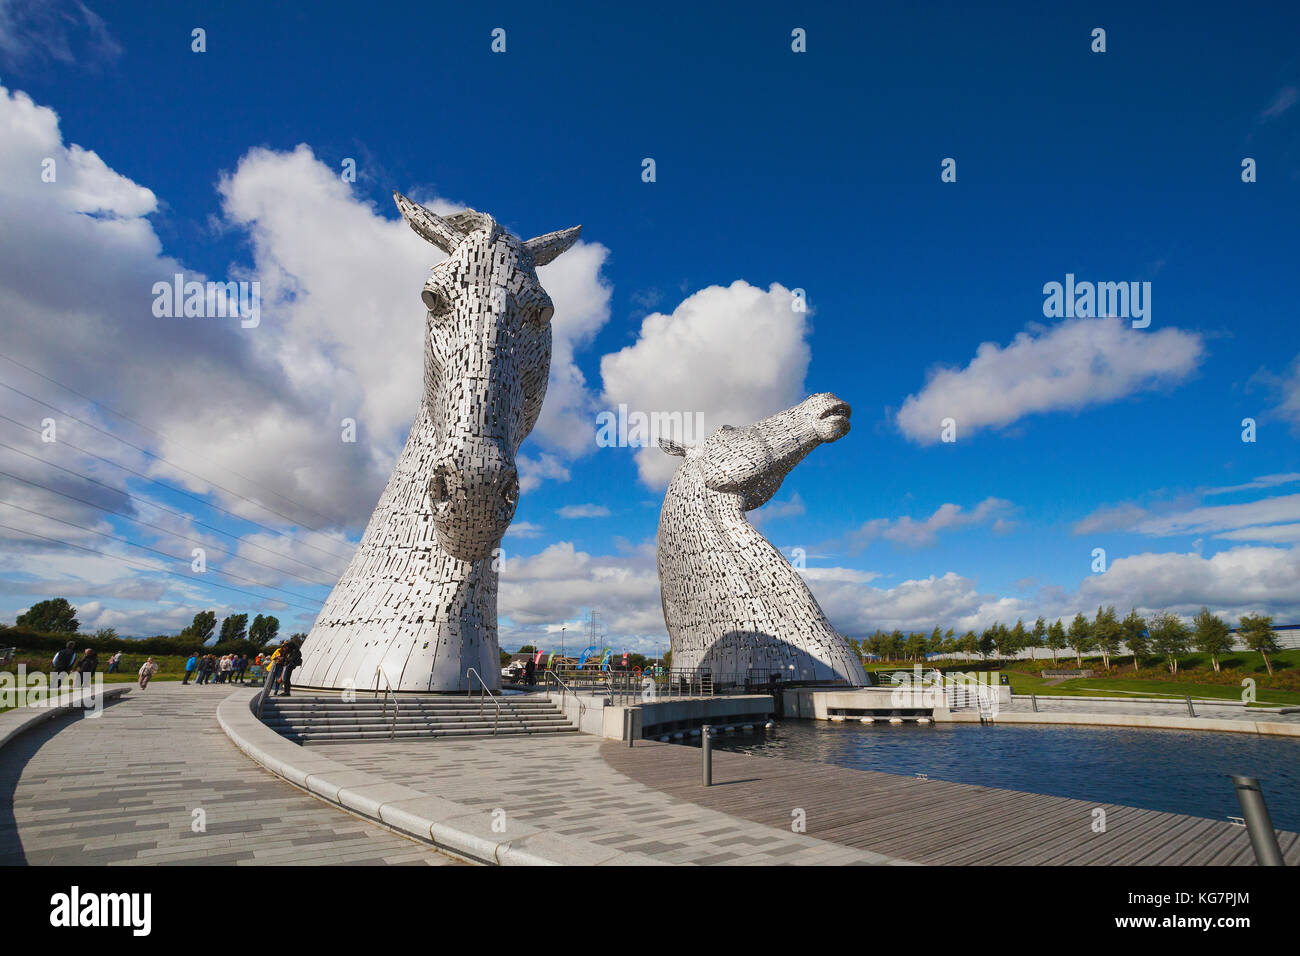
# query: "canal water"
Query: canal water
{"points": [[1176, 771]]}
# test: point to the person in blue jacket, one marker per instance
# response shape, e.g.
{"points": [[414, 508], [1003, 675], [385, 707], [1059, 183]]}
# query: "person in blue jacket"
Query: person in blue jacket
{"points": [[192, 663]]}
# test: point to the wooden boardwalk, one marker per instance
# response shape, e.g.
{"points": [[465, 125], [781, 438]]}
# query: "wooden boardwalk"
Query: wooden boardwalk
{"points": [[934, 821]]}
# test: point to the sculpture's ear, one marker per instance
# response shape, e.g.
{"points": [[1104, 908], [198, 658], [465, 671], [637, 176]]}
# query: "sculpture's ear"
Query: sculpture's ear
{"points": [[547, 247], [670, 446], [427, 225]]}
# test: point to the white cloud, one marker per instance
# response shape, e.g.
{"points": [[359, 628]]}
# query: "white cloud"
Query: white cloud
{"points": [[1068, 366], [558, 585], [339, 338], [1263, 481], [947, 517], [734, 353], [583, 511], [1222, 517], [1237, 581], [1277, 533]]}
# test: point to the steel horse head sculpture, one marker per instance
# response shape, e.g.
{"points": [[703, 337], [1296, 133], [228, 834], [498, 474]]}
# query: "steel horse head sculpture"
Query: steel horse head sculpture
{"points": [[417, 606], [733, 605]]}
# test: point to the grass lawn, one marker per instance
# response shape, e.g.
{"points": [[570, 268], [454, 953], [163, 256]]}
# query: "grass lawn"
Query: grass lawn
{"points": [[1196, 677]]}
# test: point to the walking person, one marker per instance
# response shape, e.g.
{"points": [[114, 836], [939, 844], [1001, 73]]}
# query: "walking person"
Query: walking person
{"points": [[191, 666], [114, 663], [147, 670], [530, 672], [62, 663]]}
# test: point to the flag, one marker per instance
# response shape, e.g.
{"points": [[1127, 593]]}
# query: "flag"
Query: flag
{"points": [[538, 659], [582, 658]]}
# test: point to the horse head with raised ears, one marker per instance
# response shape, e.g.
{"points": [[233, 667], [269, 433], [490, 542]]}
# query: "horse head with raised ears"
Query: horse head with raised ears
{"points": [[487, 355]]}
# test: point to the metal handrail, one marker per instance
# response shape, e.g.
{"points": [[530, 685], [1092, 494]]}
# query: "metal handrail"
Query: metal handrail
{"points": [[566, 690], [491, 696], [388, 689], [261, 700]]}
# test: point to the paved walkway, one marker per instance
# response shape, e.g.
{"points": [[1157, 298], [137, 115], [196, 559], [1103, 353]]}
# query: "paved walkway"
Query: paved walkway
{"points": [[561, 783], [122, 789], [936, 821]]}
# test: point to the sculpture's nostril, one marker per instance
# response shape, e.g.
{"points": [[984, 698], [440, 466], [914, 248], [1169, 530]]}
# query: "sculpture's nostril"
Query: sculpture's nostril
{"points": [[510, 489], [438, 487]]}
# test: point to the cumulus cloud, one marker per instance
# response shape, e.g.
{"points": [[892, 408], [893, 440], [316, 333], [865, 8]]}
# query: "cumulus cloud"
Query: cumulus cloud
{"points": [[561, 584], [1068, 366], [247, 418], [909, 532], [733, 353]]}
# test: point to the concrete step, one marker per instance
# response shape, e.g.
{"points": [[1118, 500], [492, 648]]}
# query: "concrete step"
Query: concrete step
{"points": [[325, 719], [345, 736]]}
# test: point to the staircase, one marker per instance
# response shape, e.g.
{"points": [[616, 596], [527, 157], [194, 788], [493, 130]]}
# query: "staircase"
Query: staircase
{"points": [[322, 720]]}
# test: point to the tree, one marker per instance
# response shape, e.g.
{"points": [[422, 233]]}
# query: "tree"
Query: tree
{"points": [[1257, 631], [1056, 639], [200, 630], [988, 641], [915, 646], [529, 649], [1038, 636], [935, 644], [1134, 628], [233, 628], [55, 616], [969, 644], [1170, 637], [106, 634], [1015, 640], [894, 645], [1211, 635], [1080, 637], [263, 630], [1106, 633]]}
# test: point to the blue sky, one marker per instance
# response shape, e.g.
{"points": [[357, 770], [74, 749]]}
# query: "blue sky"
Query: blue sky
{"points": [[818, 171]]}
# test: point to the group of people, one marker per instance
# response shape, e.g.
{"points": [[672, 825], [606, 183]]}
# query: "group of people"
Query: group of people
{"points": [[210, 669], [85, 665], [230, 668], [204, 668]]}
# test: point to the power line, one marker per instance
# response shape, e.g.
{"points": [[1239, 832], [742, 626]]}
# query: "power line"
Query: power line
{"points": [[145, 547], [154, 431], [145, 451], [118, 557], [161, 484], [157, 527], [148, 504]]}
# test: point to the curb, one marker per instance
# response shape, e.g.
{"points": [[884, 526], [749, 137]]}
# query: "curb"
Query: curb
{"points": [[14, 722], [451, 827], [1142, 721]]}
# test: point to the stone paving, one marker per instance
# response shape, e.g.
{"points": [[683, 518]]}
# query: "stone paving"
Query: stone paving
{"points": [[122, 789], [563, 784]]}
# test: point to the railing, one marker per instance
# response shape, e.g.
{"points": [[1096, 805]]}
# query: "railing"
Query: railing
{"points": [[266, 688], [565, 690], [388, 690], [485, 691]]}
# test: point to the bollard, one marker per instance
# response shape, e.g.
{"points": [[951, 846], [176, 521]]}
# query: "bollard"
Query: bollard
{"points": [[1033, 699], [1258, 822], [1190, 712], [706, 752]]}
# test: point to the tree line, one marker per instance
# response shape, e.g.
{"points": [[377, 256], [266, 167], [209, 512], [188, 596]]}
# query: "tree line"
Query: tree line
{"points": [[48, 625], [1165, 635]]}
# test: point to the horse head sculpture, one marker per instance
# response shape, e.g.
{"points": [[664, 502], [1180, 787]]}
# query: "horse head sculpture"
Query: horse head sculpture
{"points": [[416, 608], [487, 353]]}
